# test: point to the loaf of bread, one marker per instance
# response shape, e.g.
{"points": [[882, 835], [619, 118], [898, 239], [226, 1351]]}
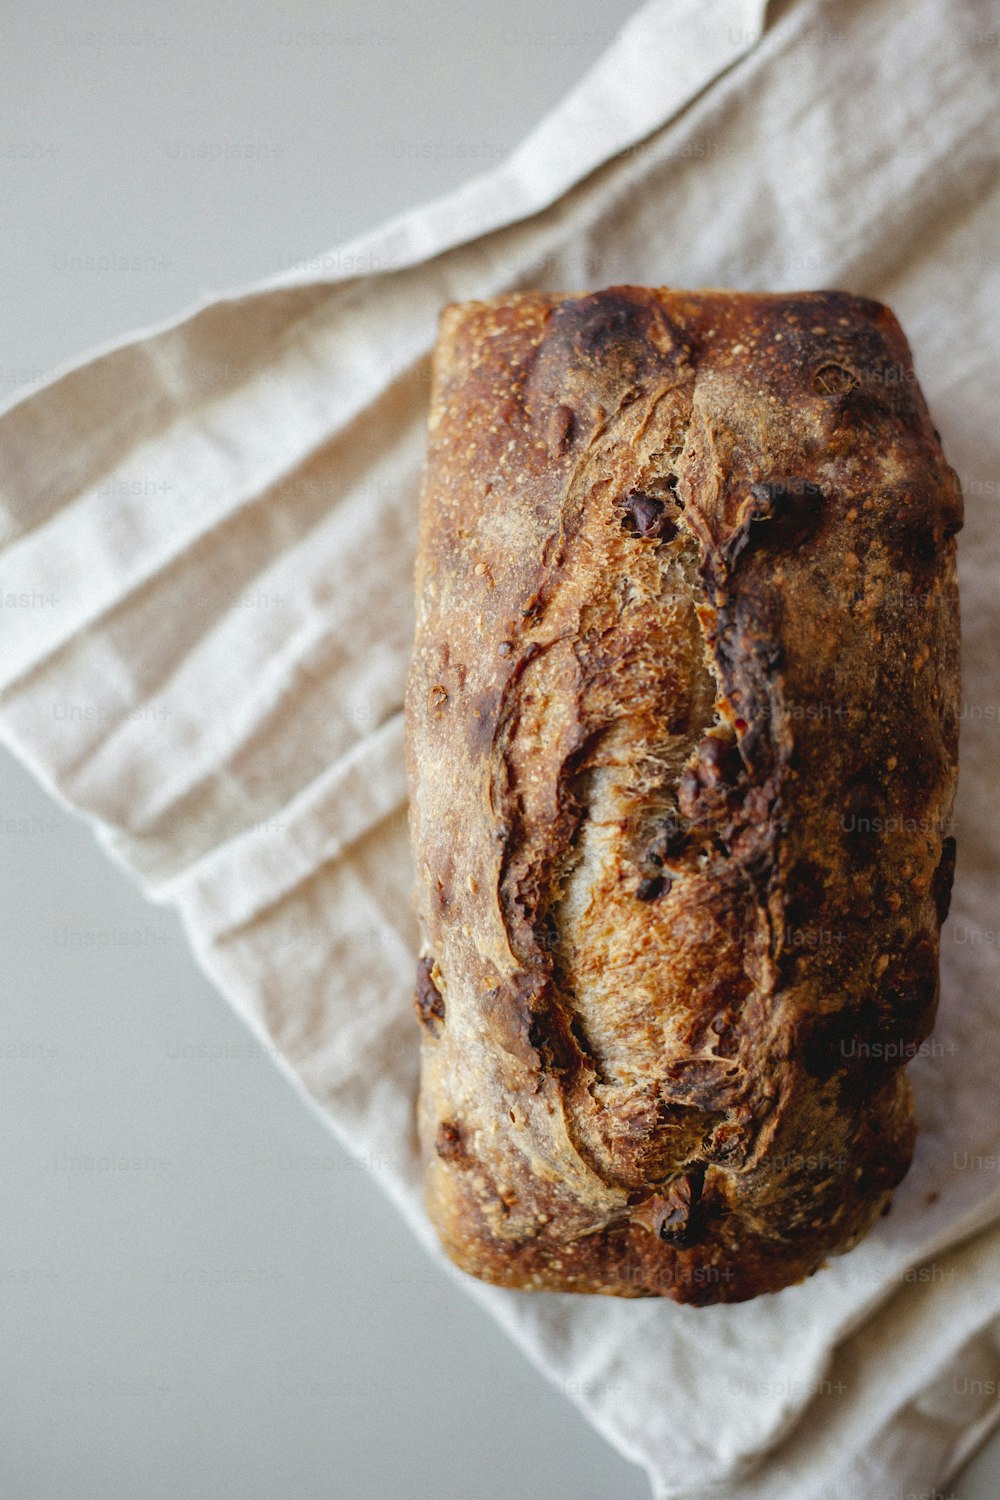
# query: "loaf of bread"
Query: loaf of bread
{"points": [[682, 724]]}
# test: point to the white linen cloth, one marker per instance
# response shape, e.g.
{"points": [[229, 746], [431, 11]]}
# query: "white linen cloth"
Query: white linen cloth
{"points": [[215, 522]]}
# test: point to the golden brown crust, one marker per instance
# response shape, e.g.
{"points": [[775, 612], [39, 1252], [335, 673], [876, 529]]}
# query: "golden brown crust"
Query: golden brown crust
{"points": [[682, 726]]}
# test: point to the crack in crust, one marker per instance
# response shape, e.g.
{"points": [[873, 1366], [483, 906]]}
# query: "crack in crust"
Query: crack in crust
{"points": [[659, 547]]}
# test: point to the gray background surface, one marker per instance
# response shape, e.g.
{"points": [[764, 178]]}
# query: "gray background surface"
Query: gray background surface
{"points": [[239, 1314]]}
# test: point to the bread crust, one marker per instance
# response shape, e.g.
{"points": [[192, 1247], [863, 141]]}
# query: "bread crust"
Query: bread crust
{"points": [[681, 737]]}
